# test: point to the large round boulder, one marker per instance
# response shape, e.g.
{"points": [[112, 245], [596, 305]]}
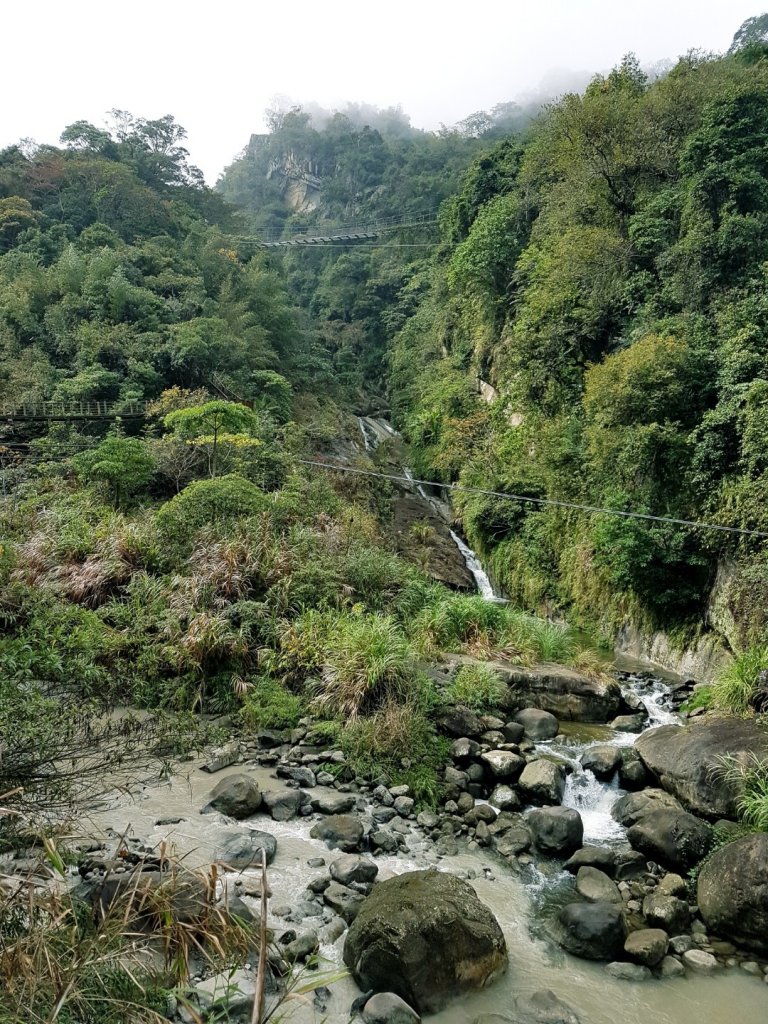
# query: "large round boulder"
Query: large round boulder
{"points": [[542, 782], [594, 931], [673, 838], [602, 760], [556, 831], [538, 725], [340, 831], [427, 937], [684, 760], [631, 808], [239, 850], [732, 892], [237, 796]]}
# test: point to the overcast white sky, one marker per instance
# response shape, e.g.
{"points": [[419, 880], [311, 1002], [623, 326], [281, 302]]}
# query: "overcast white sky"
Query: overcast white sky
{"points": [[216, 66]]}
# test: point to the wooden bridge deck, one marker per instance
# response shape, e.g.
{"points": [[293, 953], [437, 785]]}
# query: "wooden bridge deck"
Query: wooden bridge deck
{"points": [[13, 412]]}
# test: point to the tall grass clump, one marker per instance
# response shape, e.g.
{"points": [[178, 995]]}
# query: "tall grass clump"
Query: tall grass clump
{"points": [[738, 690], [750, 778], [460, 621], [478, 687], [366, 661]]}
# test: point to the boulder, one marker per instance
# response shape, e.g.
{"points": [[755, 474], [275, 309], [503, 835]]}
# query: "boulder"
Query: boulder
{"points": [[513, 732], [388, 1008], [596, 887], [427, 937], [505, 798], [601, 857], [700, 962], [538, 725], [602, 760], [240, 850], [632, 771], [672, 885], [237, 796], [647, 946], [682, 758], [142, 895], [282, 804], [628, 972], [567, 694], [631, 808], [300, 774], [330, 801], [628, 723], [732, 892], [464, 749], [460, 722], [673, 838], [348, 868], [556, 831], [339, 831], [666, 912], [345, 901], [542, 782], [503, 763], [594, 931], [222, 757]]}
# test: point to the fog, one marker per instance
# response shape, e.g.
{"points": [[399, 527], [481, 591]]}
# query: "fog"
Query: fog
{"points": [[217, 67]]}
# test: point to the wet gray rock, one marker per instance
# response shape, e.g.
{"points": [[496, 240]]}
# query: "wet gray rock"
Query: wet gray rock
{"points": [[537, 725], [593, 931], [632, 773], [602, 760], [666, 912], [732, 892], [631, 808], [244, 849], [628, 972], [300, 774], [482, 812], [594, 885], [427, 937], [699, 962], [237, 796], [542, 782], [388, 1008], [556, 831], [505, 798], [331, 801], [647, 946], [460, 722], [464, 749], [385, 841], [349, 868], [345, 901], [222, 757], [427, 819], [339, 831], [513, 732], [601, 857], [301, 948], [673, 838], [671, 967], [629, 723], [683, 759], [503, 764], [543, 1007], [282, 804], [404, 805]]}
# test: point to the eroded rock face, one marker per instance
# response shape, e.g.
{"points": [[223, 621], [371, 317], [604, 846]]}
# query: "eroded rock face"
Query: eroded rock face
{"points": [[683, 759], [427, 937], [732, 892]]}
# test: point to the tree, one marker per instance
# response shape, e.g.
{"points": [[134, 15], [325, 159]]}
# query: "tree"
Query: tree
{"points": [[124, 464], [754, 30], [209, 422]]}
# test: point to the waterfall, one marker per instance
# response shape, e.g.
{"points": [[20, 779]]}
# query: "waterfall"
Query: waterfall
{"points": [[484, 586]]}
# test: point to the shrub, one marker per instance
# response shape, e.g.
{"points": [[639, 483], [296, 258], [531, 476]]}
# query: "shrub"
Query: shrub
{"points": [[209, 501], [738, 689], [268, 704], [477, 686], [458, 621]]}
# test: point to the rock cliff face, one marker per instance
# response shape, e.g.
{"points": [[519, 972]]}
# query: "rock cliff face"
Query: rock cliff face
{"points": [[300, 179]]}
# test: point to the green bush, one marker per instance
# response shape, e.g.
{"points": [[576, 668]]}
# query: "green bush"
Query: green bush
{"points": [[477, 686], [226, 498], [268, 704]]}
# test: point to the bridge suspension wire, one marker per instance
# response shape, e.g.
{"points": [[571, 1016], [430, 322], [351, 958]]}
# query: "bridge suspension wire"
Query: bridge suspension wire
{"points": [[525, 499]]}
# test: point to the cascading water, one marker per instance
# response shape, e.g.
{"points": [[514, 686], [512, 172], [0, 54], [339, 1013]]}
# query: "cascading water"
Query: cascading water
{"points": [[373, 430], [484, 585]]}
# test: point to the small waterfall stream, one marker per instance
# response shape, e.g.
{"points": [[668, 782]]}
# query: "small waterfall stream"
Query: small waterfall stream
{"points": [[373, 431]]}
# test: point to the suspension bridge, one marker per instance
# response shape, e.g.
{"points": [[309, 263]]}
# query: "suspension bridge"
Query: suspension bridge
{"points": [[335, 235]]}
